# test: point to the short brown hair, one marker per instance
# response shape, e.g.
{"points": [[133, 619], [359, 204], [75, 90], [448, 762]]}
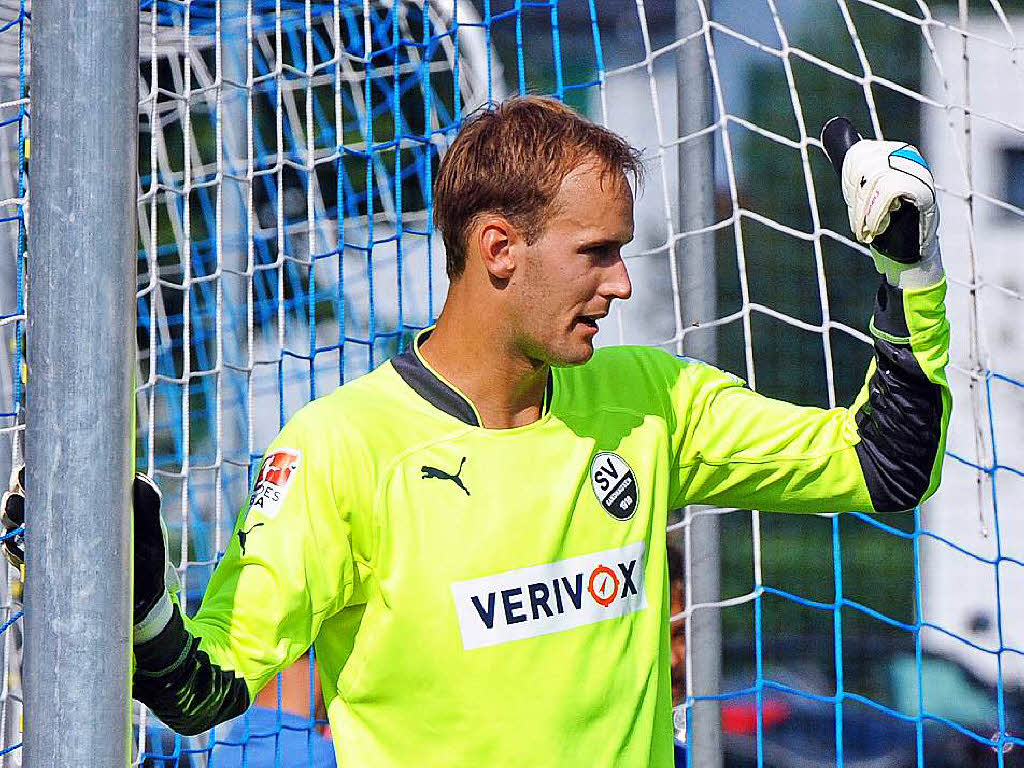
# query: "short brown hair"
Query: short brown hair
{"points": [[510, 158]]}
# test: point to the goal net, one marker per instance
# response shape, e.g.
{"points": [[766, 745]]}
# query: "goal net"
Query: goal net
{"points": [[286, 246]]}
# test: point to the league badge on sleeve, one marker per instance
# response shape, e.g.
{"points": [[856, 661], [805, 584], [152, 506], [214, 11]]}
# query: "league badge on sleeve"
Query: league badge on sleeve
{"points": [[276, 475], [614, 485]]}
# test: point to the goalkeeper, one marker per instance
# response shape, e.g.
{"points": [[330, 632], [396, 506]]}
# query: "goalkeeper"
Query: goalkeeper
{"points": [[473, 535]]}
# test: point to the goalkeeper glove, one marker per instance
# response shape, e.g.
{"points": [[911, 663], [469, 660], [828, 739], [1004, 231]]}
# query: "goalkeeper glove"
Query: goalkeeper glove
{"points": [[154, 574], [155, 577], [13, 518], [881, 178]]}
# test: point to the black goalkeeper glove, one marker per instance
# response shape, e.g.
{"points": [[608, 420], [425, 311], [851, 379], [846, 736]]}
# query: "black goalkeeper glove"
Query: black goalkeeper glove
{"points": [[153, 572], [151, 559], [13, 518], [155, 577]]}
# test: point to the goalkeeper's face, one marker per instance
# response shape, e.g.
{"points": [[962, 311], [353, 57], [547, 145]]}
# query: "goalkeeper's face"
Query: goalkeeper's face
{"points": [[574, 270]]}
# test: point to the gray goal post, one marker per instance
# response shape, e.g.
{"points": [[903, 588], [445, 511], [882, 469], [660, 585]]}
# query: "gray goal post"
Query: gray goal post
{"points": [[79, 442], [698, 293]]}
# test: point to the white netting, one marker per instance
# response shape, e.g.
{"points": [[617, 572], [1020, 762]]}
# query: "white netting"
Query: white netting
{"points": [[286, 152]]}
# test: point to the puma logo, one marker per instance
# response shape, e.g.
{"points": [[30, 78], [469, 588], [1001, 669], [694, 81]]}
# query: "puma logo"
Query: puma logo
{"points": [[242, 534], [439, 474]]}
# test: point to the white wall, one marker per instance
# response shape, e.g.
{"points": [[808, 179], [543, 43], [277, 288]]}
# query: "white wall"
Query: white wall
{"points": [[959, 592]]}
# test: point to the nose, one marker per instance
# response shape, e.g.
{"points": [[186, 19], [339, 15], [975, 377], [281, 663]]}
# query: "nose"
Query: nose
{"points": [[617, 284]]}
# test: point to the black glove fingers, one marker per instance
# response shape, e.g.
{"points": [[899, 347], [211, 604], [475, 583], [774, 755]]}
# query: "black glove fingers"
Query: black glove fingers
{"points": [[12, 517], [14, 549], [146, 505], [13, 511], [149, 546]]}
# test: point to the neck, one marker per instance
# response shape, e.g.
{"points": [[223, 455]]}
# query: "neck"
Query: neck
{"points": [[506, 387]]}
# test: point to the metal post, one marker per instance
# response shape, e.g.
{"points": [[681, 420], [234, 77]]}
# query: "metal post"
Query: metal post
{"points": [[81, 352], [232, 240], [697, 291], [10, 645]]}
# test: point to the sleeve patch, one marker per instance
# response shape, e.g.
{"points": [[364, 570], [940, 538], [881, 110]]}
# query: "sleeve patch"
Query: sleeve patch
{"points": [[275, 477]]}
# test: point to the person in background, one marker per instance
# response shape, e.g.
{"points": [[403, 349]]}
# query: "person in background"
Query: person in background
{"points": [[677, 645], [283, 728], [677, 629]]}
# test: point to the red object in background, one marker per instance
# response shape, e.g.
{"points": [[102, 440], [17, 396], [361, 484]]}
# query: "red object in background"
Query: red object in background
{"points": [[742, 718]]}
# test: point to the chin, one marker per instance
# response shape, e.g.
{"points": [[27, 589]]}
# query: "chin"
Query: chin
{"points": [[566, 358]]}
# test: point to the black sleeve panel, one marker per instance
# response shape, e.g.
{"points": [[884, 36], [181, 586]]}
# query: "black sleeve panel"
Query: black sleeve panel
{"points": [[182, 685], [901, 423], [890, 317]]}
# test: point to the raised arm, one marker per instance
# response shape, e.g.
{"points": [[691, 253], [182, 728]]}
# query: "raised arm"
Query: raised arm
{"points": [[883, 454]]}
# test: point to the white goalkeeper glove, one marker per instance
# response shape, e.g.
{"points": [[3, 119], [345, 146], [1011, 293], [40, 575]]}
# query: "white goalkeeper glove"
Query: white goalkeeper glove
{"points": [[879, 177]]}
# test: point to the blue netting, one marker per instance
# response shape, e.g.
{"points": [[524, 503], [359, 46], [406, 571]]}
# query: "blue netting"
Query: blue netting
{"points": [[259, 295], [827, 659], [14, 123], [286, 246]]}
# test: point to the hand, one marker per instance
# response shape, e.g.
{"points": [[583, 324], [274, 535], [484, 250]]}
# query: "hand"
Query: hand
{"points": [[155, 577], [153, 570], [880, 179], [13, 518], [151, 557]]}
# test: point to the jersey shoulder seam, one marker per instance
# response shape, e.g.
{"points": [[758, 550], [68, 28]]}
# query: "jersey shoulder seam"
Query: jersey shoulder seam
{"points": [[722, 461], [398, 457], [389, 468], [613, 408], [357, 438]]}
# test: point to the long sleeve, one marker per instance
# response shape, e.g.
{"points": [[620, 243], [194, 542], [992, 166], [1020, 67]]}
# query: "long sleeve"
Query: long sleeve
{"points": [[291, 564], [883, 454]]}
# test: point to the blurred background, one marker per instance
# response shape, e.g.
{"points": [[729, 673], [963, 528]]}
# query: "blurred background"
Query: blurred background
{"points": [[285, 246]]}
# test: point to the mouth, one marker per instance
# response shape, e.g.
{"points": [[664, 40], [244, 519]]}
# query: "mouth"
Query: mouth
{"points": [[589, 321]]}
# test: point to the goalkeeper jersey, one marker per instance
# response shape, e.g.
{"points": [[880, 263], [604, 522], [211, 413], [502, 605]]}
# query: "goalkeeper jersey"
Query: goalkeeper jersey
{"points": [[481, 597]]}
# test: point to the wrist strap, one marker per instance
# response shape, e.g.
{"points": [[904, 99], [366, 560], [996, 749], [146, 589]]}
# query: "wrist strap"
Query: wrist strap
{"points": [[153, 623], [924, 273]]}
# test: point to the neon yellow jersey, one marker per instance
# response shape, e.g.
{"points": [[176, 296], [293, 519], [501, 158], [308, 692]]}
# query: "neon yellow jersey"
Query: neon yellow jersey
{"points": [[483, 597]]}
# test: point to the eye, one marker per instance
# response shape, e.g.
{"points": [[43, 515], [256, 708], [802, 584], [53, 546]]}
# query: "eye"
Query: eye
{"points": [[602, 251]]}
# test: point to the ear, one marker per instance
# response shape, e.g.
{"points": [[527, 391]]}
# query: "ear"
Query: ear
{"points": [[497, 239]]}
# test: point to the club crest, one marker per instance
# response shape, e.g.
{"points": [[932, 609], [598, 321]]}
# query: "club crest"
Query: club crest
{"points": [[614, 485]]}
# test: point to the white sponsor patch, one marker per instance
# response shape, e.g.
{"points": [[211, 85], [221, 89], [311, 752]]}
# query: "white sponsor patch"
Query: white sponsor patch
{"points": [[276, 475], [554, 597]]}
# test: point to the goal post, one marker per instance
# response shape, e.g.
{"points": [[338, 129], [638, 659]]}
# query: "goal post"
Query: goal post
{"points": [[81, 353], [697, 291], [286, 153]]}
